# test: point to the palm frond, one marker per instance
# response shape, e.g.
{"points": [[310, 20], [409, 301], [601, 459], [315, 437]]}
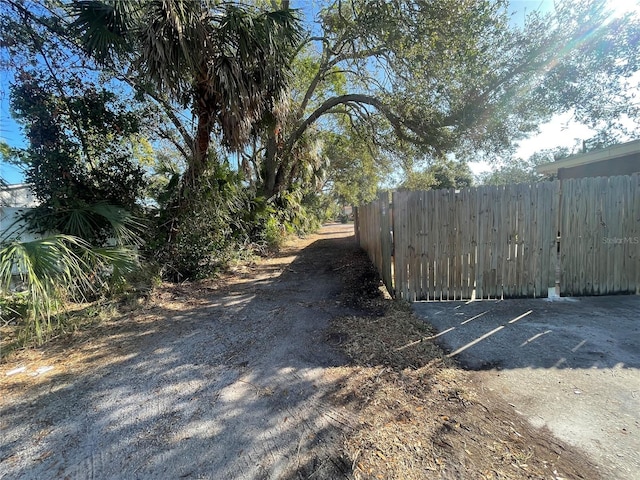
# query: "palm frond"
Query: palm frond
{"points": [[105, 28], [43, 267], [89, 222], [250, 71], [172, 40], [116, 261], [125, 228], [48, 268]]}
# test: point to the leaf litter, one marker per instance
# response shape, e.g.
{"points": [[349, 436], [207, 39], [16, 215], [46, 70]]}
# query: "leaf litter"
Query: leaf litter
{"points": [[417, 415], [420, 416]]}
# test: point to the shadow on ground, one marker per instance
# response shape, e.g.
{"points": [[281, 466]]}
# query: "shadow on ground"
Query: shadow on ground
{"points": [[586, 332], [570, 365], [226, 383]]}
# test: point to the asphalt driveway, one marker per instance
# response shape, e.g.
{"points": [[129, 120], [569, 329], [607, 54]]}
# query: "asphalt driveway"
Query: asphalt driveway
{"points": [[571, 365]]}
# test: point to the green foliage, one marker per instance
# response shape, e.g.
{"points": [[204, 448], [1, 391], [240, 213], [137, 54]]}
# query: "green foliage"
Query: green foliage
{"points": [[227, 62], [290, 213], [300, 212], [509, 174], [602, 139], [376, 82], [356, 167], [14, 307], [10, 155], [516, 170], [79, 163], [214, 229], [164, 178], [322, 208], [98, 224], [273, 233], [438, 175], [42, 273], [80, 158], [136, 284], [427, 79]]}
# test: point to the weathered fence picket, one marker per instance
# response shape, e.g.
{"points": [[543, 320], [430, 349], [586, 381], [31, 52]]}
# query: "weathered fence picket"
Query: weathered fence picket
{"points": [[502, 242]]}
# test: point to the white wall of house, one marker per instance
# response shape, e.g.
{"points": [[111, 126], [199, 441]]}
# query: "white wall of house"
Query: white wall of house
{"points": [[14, 200], [17, 195], [12, 227]]}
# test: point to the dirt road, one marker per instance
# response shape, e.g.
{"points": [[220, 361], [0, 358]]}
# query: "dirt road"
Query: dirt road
{"points": [[232, 379], [221, 383]]}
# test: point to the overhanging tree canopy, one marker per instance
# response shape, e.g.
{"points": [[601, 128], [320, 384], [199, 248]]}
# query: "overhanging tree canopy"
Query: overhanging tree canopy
{"points": [[455, 76], [413, 77], [227, 63]]}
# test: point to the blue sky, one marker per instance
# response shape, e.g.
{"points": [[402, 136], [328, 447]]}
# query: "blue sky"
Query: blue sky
{"points": [[559, 132], [9, 131]]}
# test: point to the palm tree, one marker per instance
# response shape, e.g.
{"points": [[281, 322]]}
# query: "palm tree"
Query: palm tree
{"points": [[227, 63], [45, 270], [42, 272]]}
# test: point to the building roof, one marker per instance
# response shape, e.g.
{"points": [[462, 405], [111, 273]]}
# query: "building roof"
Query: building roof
{"points": [[609, 153]]}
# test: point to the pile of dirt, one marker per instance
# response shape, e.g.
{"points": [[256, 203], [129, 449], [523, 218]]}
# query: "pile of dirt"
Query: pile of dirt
{"points": [[420, 416]]}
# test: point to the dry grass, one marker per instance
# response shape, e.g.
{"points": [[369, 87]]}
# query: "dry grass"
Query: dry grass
{"points": [[422, 417], [395, 339]]}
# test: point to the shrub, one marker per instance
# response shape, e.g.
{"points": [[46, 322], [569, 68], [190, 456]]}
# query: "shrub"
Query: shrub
{"points": [[44, 272], [197, 239]]}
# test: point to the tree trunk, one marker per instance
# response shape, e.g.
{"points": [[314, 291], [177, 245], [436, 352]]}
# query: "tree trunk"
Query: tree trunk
{"points": [[270, 166], [198, 162]]}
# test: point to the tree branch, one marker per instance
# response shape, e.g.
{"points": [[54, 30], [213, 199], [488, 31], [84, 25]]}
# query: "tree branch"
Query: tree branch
{"points": [[372, 52], [167, 136], [398, 123], [166, 107]]}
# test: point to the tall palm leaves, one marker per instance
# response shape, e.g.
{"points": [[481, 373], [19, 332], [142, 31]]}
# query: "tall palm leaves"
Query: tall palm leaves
{"points": [[228, 63], [45, 270], [172, 42], [105, 27], [250, 72], [99, 223]]}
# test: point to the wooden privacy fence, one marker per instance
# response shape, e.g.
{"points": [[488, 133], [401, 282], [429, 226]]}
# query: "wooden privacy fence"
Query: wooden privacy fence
{"points": [[578, 237], [373, 231]]}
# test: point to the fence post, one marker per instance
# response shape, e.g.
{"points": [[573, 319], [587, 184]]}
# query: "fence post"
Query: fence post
{"points": [[356, 225], [385, 240]]}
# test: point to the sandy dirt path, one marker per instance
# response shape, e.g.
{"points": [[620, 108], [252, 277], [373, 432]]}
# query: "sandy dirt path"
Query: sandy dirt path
{"points": [[216, 382]]}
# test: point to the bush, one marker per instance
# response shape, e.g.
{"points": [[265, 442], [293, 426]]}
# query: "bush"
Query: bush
{"points": [[13, 307], [47, 271], [225, 221], [199, 238], [274, 233]]}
